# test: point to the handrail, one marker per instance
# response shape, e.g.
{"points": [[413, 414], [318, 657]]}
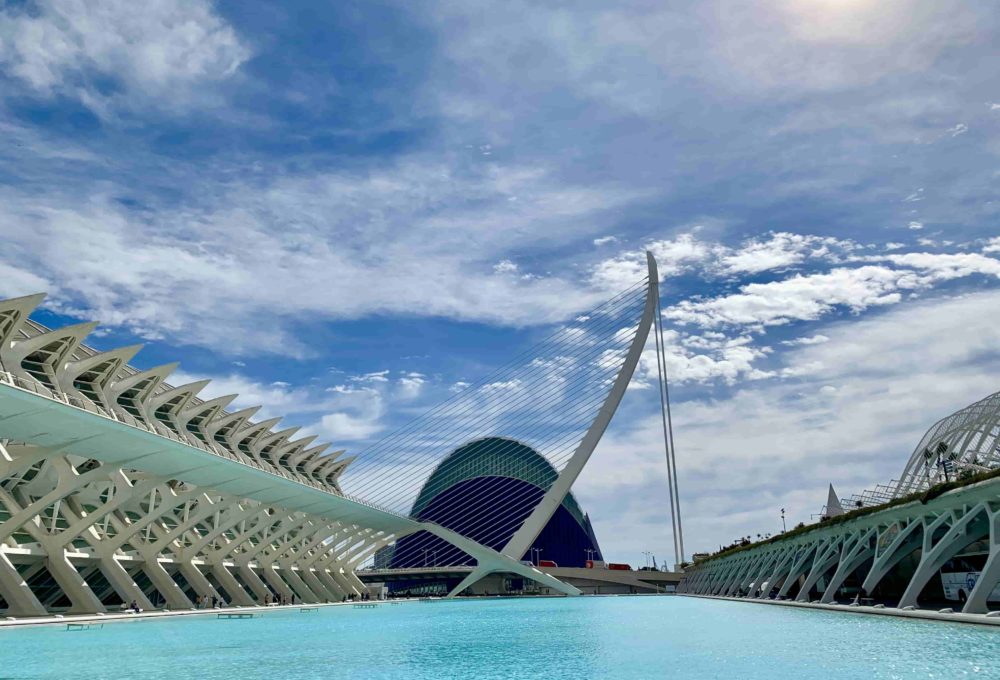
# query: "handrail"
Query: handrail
{"points": [[394, 570]]}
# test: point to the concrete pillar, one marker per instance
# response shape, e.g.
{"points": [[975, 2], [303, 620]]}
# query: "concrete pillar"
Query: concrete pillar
{"points": [[762, 570], [326, 578], [202, 586], [825, 558], [172, 593], [123, 584], [236, 592], [934, 555], [906, 540], [347, 586], [298, 586], [799, 567], [83, 599], [275, 581], [20, 600], [990, 576], [317, 586], [862, 549], [250, 577], [784, 561]]}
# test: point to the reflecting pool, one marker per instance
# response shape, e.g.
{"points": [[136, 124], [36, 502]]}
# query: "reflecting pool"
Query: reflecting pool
{"points": [[588, 637]]}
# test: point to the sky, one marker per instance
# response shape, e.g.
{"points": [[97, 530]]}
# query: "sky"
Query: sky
{"points": [[341, 211]]}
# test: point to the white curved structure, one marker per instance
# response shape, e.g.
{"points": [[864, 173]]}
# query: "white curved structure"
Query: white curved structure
{"points": [[906, 541], [966, 442], [116, 486]]}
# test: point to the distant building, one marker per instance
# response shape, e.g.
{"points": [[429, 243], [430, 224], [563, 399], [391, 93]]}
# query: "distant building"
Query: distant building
{"points": [[383, 557], [467, 493]]}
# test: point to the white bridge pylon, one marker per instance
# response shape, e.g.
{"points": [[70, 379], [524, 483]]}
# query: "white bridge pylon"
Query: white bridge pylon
{"points": [[540, 516]]}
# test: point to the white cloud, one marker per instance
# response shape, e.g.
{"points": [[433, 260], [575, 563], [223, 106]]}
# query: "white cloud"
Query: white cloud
{"points": [[704, 358], [796, 298], [800, 298], [916, 225], [959, 129], [410, 385], [15, 282], [946, 266], [329, 246], [605, 240], [502, 386], [346, 427], [505, 267], [777, 251], [276, 398], [632, 58], [673, 256], [160, 50], [817, 339], [348, 413], [372, 377], [993, 245]]}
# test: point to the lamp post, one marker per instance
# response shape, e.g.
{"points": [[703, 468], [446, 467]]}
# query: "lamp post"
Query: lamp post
{"points": [[783, 529]]}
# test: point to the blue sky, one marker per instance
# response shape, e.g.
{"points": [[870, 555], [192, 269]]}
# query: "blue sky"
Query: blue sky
{"points": [[342, 211]]}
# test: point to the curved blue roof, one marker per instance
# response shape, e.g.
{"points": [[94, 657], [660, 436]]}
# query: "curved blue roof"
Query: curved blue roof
{"points": [[493, 457]]}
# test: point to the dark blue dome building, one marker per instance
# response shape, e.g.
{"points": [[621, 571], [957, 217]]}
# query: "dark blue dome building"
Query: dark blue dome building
{"points": [[485, 490]]}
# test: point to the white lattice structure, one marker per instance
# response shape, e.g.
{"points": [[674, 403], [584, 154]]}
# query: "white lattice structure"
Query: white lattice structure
{"points": [[966, 442], [80, 534]]}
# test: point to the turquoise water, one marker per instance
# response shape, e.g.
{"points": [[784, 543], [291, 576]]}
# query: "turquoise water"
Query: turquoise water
{"points": [[607, 637]]}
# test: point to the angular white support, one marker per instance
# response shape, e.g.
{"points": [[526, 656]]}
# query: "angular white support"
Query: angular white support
{"points": [[990, 576], [936, 553], [853, 555]]}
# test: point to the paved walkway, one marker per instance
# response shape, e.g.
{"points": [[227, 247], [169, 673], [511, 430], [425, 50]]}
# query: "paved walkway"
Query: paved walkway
{"points": [[118, 617], [992, 619]]}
